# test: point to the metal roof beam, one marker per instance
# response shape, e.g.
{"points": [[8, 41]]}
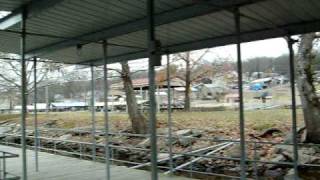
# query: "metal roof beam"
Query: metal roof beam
{"points": [[200, 8], [33, 8], [292, 29]]}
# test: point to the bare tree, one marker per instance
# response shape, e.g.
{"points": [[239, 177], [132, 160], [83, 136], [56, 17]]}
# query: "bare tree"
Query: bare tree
{"points": [[305, 81], [10, 74], [191, 63], [77, 82], [138, 121]]}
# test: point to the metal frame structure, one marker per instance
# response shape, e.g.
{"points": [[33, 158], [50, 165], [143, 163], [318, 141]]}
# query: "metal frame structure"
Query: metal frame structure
{"points": [[4, 174], [93, 112], [169, 115], [240, 88], [23, 95], [195, 153], [106, 116], [35, 113], [164, 18], [153, 57], [150, 24], [293, 104]]}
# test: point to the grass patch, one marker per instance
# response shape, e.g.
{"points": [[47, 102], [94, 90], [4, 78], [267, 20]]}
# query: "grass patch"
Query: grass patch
{"points": [[255, 121], [6, 117]]}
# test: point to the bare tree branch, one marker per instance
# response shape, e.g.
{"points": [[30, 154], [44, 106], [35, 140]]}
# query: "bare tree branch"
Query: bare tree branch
{"points": [[116, 70], [9, 80], [199, 76], [16, 71]]}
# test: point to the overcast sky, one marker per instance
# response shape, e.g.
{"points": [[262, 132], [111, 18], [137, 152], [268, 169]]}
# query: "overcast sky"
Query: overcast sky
{"points": [[269, 48]]}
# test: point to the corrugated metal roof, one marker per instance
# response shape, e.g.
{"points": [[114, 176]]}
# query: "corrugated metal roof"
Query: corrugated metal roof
{"points": [[182, 25], [10, 5]]}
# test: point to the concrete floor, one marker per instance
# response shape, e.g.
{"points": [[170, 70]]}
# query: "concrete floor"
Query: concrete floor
{"points": [[55, 167]]}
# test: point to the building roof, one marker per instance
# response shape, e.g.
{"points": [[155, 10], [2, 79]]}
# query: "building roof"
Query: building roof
{"points": [[69, 104], [262, 80], [214, 85], [144, 83], [40, 106], [56, 27], [182, 89]]}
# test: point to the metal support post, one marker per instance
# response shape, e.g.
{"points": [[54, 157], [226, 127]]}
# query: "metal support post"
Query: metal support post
{"points": [[158, 100], [47, 99], [35, 113], [142, 98], [241, 107], [105, 99], [173, 96], [1, 170], [4, 167], [152, 88], [294, 113], [169, 114], [112, 107], [93, 115], [24, 95]]}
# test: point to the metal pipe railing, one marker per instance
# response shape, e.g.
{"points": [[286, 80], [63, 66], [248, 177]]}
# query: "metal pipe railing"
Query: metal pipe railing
{"points": [[4, 174], [186, 137], [81, 154], [187, 154], [136, 148]]}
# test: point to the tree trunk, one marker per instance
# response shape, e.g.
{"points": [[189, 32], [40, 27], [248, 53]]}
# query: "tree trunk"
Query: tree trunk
{"points": [[138, 121], [309, 99], [188, 84]]}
